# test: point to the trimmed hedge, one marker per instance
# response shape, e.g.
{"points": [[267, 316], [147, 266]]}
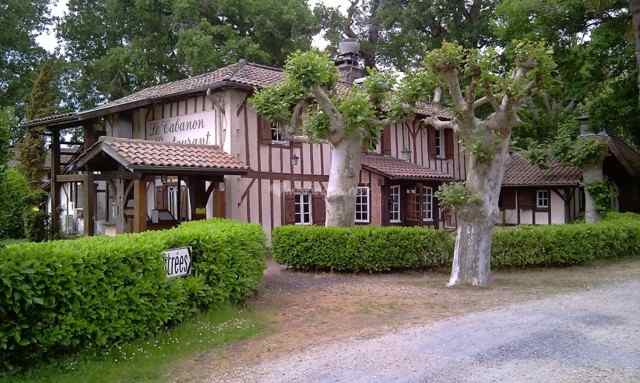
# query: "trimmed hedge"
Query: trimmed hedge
{"points": [[380, 249], [64, 296], [565, 245], [360, 249]]}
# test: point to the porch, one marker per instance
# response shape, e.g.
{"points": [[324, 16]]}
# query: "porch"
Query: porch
{"points": [[129, 185]]}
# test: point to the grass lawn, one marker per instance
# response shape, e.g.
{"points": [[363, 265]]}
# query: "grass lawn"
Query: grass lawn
{"points": [[148, 360]]}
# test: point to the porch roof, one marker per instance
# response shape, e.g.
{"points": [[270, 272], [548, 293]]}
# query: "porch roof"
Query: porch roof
{"points": [[396, 169], [145, 156], [521, 173]]}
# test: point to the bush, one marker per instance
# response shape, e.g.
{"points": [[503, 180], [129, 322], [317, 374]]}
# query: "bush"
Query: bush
{"points": [[379, 249], [361, 249], [566, 245], [14, 190], [63, 296]]}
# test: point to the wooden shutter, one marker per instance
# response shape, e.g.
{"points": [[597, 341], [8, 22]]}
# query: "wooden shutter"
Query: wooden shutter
{"points": [[264, 131], [448, 144], [431, 135], [386, 141], [161, 197], [507, 199], [527, 199], [413, 208], [289, 209], [184, 201], [318, 209]]}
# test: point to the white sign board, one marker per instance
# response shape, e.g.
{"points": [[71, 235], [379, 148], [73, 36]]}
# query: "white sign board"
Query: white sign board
{"points": [[177, 262], [196, 128]]}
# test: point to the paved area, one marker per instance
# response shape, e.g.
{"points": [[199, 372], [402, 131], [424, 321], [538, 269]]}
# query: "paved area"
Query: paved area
{"points": [[590, 336]]}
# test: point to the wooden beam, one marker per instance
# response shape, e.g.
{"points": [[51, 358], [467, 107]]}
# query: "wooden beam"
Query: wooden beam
{"points": [[62, 178], [55, 187], [549, 210], [139, 205], [89, 190]]}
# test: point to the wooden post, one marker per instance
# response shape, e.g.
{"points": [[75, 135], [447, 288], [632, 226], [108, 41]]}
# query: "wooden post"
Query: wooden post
{"points": [[89, 189], [549, 191], [139, 205], [55, 186], [179, 200], [517, 207]]}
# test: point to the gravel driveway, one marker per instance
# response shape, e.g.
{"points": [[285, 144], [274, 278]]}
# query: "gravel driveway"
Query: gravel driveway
{"points": [[590, 336]]}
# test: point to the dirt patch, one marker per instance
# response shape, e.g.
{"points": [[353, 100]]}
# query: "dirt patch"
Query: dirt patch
{"points": [[307, 309]]}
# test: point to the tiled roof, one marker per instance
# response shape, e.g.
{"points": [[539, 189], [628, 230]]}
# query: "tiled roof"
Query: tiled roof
{"points": [[144, 155], [397, 169], [520, 172]]}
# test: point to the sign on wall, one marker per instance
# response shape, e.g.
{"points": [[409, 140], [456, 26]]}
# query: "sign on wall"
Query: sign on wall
{"points": [[197, 128], [177, 262]]}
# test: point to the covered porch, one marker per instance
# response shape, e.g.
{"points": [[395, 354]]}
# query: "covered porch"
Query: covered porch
{"points": [[130, 185]]}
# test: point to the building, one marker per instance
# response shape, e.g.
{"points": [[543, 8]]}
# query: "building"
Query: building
{"points": [[196, 148]]}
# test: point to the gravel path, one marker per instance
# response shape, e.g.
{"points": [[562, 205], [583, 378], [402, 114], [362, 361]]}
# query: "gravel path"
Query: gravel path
{"points": [[591, 336]]}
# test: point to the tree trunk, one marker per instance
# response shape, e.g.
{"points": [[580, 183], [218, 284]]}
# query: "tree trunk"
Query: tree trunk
{"points": [[343, 182], [472, 253], [591, 173], [634, 7]]}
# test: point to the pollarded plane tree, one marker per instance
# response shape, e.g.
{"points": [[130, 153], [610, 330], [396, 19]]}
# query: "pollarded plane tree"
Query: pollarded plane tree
{"points": [[487, 89], [313, 104]]}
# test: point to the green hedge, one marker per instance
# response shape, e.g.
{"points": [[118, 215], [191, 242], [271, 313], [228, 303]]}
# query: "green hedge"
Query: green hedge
{"points": [[360, 249], [63, 296], [379, 249], [565, 245]]}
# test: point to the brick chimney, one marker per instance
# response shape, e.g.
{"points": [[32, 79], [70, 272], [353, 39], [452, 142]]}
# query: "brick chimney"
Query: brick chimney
{"points": [[348, 60]]}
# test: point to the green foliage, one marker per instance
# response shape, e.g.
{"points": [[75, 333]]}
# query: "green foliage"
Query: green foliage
{"points": [[62, 296], [456, 195], [35, 217], [381, 249], [361, 249], [359, 115], [151, 359], [449, 57], [565, 245], [7, 120], [121, 46], [310, 69], [14, 190], [603, 194]]}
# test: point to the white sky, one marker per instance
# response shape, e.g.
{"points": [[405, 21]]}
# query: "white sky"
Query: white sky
{"points": [[48, 41]]}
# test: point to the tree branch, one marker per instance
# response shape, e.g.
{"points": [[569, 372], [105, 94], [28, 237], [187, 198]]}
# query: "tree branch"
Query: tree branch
{"points": [[336, 123], [439, 124], [453, 82]]}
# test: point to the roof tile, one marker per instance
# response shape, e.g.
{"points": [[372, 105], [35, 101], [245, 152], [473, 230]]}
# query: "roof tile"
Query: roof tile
{"points": [[520, 172], [397, 169]]}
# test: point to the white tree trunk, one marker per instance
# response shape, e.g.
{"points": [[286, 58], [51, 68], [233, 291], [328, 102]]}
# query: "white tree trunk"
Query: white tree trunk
{"points": [[591, 173], [343, 182], [472, 253]]}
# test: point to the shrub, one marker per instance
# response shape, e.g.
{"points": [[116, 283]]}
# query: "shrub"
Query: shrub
{"points": [[361, 249], [63, 296], [379, 249], [14, 189], [565, 245]]}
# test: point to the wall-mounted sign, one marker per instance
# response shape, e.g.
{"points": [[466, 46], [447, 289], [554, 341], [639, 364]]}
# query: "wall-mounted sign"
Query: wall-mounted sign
{"points": [[177, 262], [196, 128]]}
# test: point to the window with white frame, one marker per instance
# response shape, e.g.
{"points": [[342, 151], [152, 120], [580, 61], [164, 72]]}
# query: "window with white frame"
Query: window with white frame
{"points": [[542, 199], [362, 204], [427, 204], [303, 208], [278, 133], [438, 145], [394, 204]]}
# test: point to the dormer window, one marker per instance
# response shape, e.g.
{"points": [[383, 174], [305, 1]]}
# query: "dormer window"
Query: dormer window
{"points": [[278, 133], [439, 144]]}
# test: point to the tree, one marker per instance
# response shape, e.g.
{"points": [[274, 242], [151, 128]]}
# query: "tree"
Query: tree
{"points": [[486, 112], [121, 46], [309, 100], [397, 33], [634, 6], [42, 102], [20, 55]]}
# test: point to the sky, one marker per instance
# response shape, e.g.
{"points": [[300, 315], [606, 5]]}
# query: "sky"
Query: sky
{"points": [[48, 40]]}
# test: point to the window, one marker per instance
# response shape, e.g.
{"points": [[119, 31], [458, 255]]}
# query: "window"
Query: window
{"points": [[439, 144], [278, 133], [394, 204], [303, 208], [542, 199], [362, 204], [427, 204]]}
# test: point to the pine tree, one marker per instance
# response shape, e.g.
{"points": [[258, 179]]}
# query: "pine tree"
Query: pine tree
{"points": [[42, 102]]}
